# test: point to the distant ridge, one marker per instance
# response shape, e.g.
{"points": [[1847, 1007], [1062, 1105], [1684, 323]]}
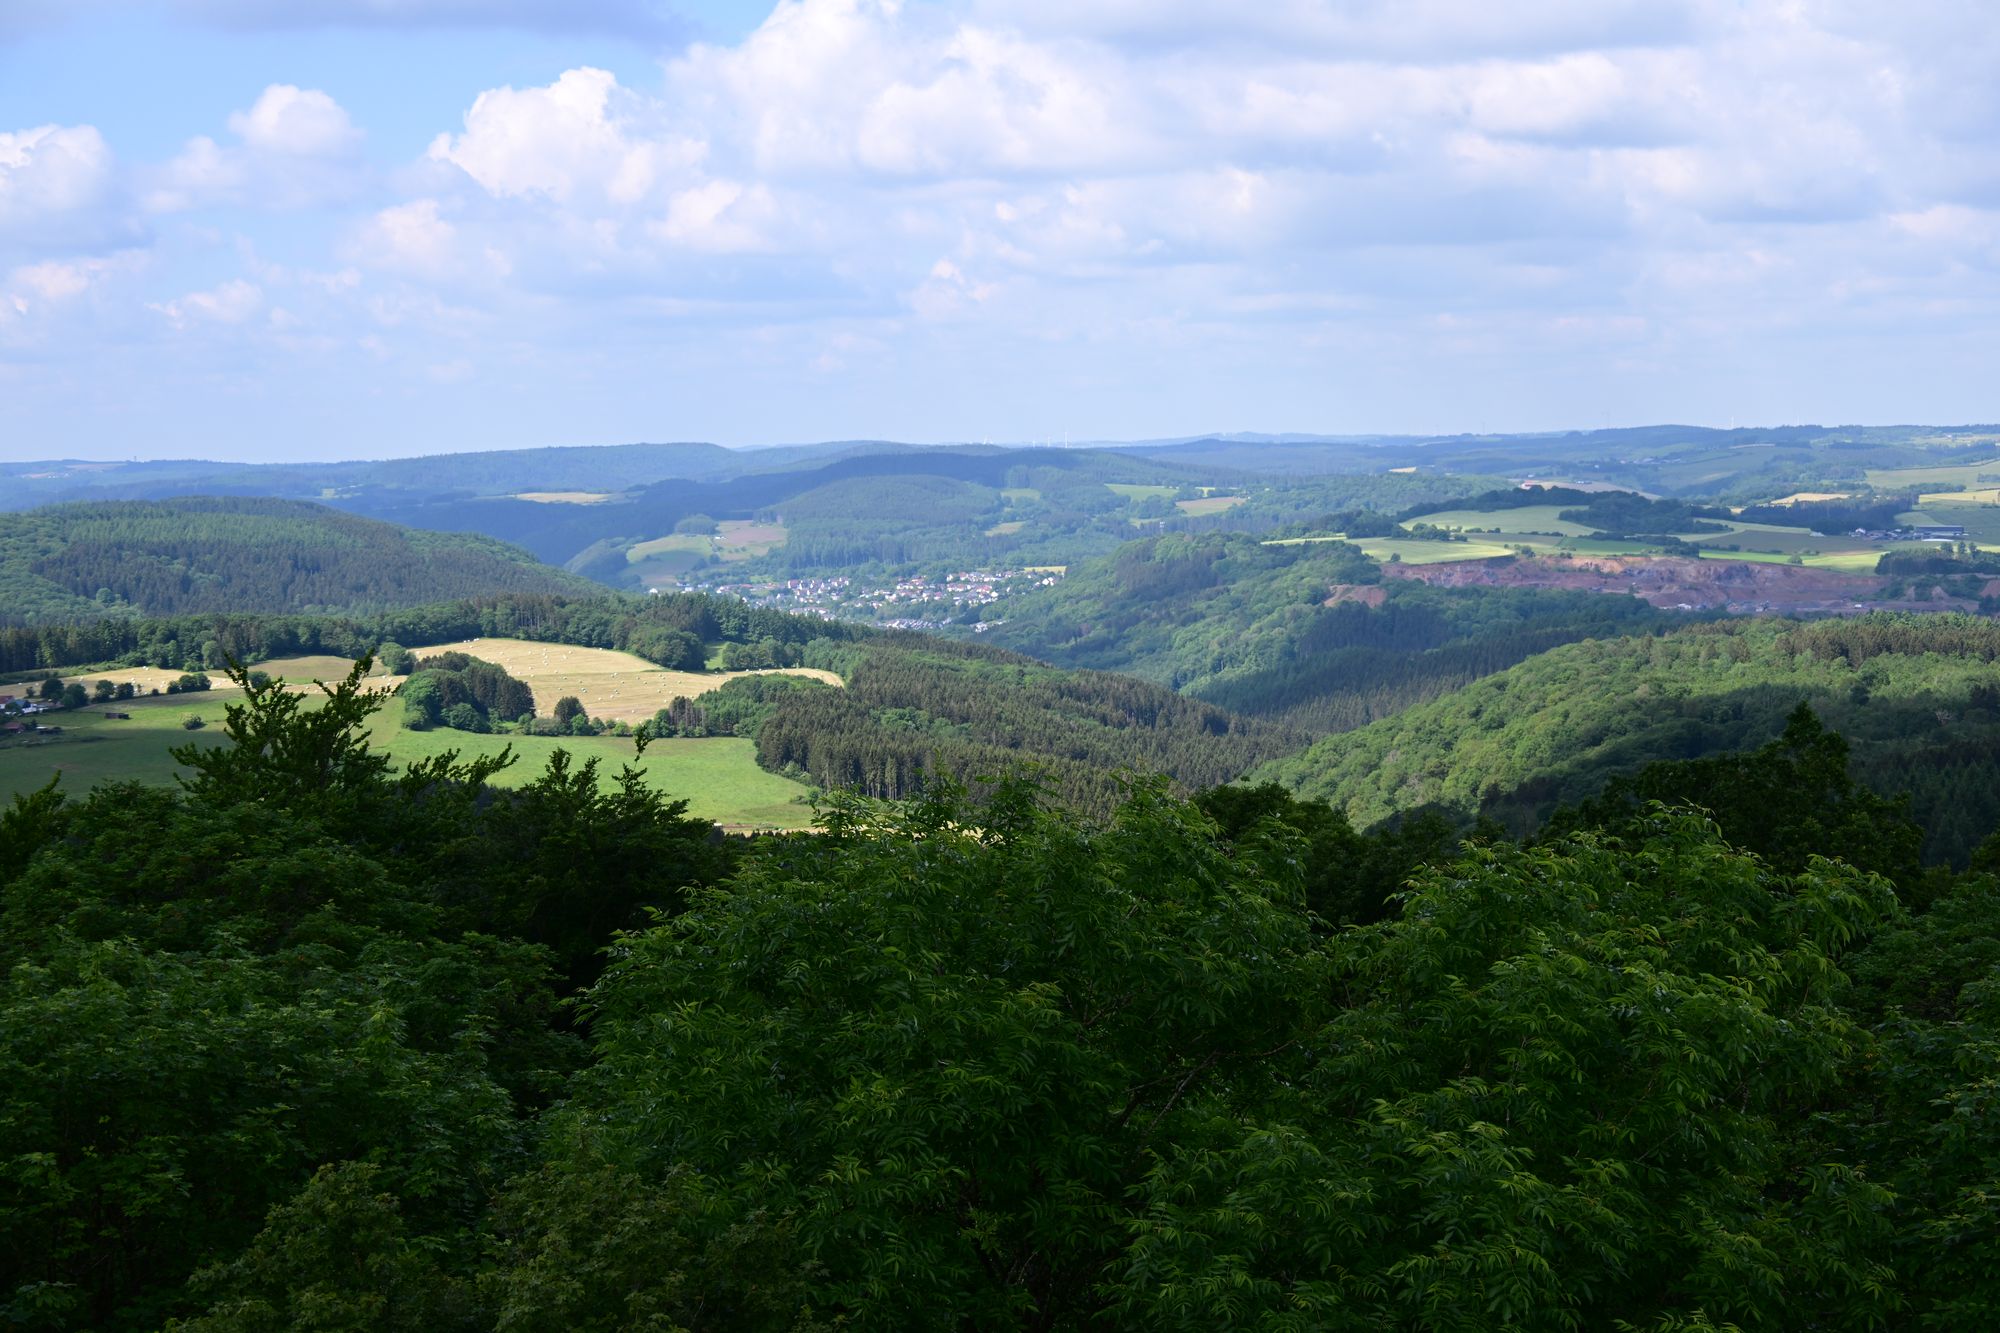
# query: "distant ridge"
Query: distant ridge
{"points": [[237, 554]]}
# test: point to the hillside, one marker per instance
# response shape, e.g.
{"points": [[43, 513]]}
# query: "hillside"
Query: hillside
{"points": [[1310, 633], [1915, 696], [915, 708], [90, 560]]}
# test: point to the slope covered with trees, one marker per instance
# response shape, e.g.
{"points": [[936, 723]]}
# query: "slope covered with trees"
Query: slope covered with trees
{"points": [[1305, 633], [172, 557], [287, 1048], [1914, 694]]}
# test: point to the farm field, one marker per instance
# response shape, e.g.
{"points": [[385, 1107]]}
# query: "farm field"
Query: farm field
{"points": [[1007, 529], [1956, 476], [1981, 521], [566, 497], [1430, 553], [1208, 504], [1136, 492], [718, 776], [734, 540], [609, 684], [299, 669], [1531, 519]]}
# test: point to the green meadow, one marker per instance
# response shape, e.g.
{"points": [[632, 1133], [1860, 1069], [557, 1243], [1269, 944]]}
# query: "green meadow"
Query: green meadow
{"points": [[718, 776]]}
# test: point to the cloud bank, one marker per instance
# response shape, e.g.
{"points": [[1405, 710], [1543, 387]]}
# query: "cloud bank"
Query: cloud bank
{"points": [[967, 218]]}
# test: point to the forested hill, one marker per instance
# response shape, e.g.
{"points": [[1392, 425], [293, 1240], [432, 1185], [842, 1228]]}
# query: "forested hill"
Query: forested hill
{"points": [[194, 556], [1305, 633], [1917, 697]]}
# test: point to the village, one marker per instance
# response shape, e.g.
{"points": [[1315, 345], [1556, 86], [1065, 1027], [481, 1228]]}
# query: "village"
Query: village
{"points": [[913, 601]]}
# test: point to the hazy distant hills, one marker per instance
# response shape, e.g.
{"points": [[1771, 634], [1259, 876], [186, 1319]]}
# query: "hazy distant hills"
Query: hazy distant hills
{"points": [[235, 554]]}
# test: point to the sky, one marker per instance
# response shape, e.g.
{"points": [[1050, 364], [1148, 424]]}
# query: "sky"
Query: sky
{"points": [[313, 229]]}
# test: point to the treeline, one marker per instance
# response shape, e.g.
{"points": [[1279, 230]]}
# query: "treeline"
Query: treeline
{"points": [[232, 554], [670, 630], [1835, 517], [408, 1053]]}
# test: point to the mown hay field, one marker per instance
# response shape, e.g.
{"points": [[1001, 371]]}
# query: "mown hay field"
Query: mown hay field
{"points": [[614, 685]]}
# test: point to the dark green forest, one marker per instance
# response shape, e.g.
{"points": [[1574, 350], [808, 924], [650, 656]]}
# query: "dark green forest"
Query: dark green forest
{"points": [[306, 1043], [76, 562]]}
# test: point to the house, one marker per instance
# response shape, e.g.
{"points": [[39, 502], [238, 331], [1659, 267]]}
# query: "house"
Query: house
{"points": [[1939, 532]]}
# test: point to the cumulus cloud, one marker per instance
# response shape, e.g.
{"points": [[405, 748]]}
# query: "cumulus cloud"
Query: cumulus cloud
{"points": [[50, 176], [296, 148], [1392, 184]]}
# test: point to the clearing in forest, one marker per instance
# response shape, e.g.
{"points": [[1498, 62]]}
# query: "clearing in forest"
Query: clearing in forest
{"points": [[609, 684]]}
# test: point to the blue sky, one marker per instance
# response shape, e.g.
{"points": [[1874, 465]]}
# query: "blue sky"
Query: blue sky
{"points": [[341, 228]]}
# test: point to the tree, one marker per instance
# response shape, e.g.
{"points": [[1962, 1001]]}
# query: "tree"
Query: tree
{"points": [[568, 709], [74, 695], [1567, 1087], [103, 692], [938, 1050]]}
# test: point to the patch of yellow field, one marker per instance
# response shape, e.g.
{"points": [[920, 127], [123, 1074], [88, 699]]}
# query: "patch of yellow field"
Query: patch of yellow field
{"points": [[1006, 529], [302, 670], [566, 497], [1809, 497], [1985, 497], [609, 684]]}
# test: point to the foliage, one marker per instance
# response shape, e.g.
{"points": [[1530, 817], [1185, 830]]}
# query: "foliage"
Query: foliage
{"points": [[170, 557], [1308, 634], [1912, 694], [463, 692]]}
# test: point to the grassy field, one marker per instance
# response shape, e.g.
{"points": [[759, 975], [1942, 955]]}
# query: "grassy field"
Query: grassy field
{"points": [[1134, 492], [1208, 504], [1530, 519], [1955, 476], [734, 540], [1021, 493], [566, 497], [1431, 553], [609, 684], [718, 776], [1006, 529]]}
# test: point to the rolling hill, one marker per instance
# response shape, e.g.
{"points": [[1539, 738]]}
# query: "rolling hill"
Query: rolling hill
{"points": [[1308, 633], [199, 555], [1915, 695]]}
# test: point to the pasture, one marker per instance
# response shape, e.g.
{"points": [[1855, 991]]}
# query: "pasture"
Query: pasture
{"points": [[1136, 492], [1430, 553], [718, 776], [1530, 519], [1952, 476], [566, 497], [614, 685]]}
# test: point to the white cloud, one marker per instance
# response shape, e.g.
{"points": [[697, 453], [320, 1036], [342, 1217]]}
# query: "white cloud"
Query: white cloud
{"points": [[581, 137], [302, 122], [296, 149], [49, 174], [233, 302], [412, 237]]}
